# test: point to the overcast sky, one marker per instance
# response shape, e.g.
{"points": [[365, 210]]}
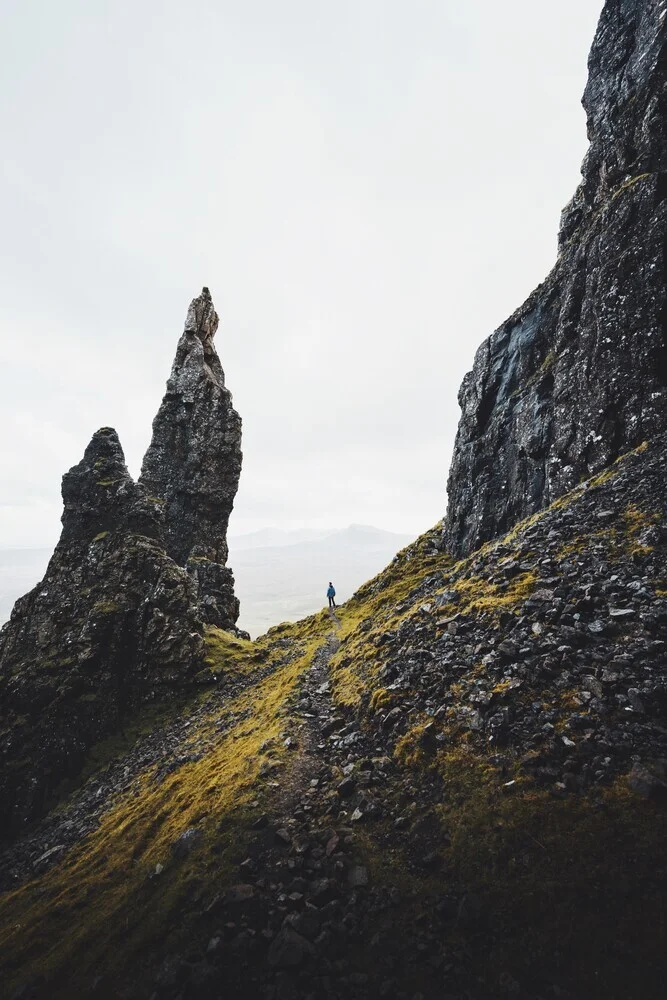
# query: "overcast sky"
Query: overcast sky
{"points": [[368, 187]]}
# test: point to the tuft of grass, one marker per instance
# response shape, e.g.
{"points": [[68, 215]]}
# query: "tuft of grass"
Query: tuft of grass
{"points": [[381, 700]]}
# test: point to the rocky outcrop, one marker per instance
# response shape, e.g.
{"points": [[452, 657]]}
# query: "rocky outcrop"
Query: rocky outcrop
{"points": [[112, 625], [194, 463], [549, 643], [579, 374]]}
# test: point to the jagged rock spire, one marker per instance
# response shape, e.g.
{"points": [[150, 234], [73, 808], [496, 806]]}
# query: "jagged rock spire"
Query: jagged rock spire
{"points": [[100, 495], [113, 624], [193, 462], [579, 374]]}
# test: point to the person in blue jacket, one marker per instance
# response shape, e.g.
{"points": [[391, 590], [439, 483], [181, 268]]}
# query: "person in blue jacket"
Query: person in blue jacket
{"points": [[331, 593]]}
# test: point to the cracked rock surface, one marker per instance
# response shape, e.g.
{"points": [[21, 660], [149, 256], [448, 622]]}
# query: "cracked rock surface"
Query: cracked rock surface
{"points": [[578, 375], [193, 463]]}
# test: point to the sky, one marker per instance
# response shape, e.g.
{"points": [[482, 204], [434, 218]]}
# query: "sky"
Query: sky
{"points": [[368, 187]]}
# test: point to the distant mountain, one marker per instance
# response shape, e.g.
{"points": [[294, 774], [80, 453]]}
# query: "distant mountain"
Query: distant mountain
{"points": [[275, 537], [280, 575], [283, 581]]}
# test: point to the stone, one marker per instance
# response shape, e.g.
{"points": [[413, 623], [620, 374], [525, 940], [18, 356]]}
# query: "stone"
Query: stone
{"points": [[306, 922], [578, 375], [48, 858], [239, 895], [357, 877], [187, 842], [193, 464], [646, 784], [346, 787], [289, 949]]}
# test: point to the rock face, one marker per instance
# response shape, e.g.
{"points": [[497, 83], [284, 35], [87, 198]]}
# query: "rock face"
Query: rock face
{"points": [[194, 463], [579, 374], [113, 624]]}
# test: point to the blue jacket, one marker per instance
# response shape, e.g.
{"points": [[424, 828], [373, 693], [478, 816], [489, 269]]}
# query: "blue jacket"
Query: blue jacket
{"points": [[331, 592]]}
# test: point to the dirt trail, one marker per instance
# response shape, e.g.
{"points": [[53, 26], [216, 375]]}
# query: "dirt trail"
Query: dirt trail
{"points": [[309, 918]]}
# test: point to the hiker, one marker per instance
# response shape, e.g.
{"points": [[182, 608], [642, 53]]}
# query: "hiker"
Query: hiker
{"points": [[331, 593]]}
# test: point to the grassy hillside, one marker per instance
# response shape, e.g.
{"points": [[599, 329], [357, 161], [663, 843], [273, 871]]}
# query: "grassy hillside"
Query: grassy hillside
{"points": [[470, 755]]}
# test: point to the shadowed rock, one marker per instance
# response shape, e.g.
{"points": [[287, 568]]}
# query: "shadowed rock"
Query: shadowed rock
{"points": [[113, 624], [193, 463], [579, 374]]}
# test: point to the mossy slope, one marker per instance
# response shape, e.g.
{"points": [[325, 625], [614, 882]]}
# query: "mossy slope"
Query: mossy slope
{"points": [[557, 873]]}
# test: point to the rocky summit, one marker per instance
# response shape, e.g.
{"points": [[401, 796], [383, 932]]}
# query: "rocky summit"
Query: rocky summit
{"points": [[453, 787], [193, 463], [578, 375]]}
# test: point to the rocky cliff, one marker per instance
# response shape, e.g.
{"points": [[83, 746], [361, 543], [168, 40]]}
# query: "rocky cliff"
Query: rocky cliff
{"points": [[112, 625], [454, 788], [455, 785], [118, 619], [193, 463], [579, 374]]}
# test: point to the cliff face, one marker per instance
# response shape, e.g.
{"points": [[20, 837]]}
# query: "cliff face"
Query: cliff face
{"points": [[194, 463], [113, 624], [579, 374]]}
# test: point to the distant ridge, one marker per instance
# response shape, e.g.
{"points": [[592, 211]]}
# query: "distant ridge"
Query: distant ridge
{"points": [[282, 575]]}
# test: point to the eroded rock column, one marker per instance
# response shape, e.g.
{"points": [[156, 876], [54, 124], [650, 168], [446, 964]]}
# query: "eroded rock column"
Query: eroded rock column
{"points": [[193, 463]]}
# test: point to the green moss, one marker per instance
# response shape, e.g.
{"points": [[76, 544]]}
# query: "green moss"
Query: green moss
{"points": [[106, 607], [79, 918], [627, 185], [546, 365], [381, 700], [481, 597], [408, 749]]}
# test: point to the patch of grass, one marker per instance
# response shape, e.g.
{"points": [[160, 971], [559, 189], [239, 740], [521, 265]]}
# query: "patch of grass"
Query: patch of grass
{"points": [[99, 907], [226, 654], [381, 700], [381, 605], [627, 185], [408, 749], [106, 607], [479, 597], [637, 521]]}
